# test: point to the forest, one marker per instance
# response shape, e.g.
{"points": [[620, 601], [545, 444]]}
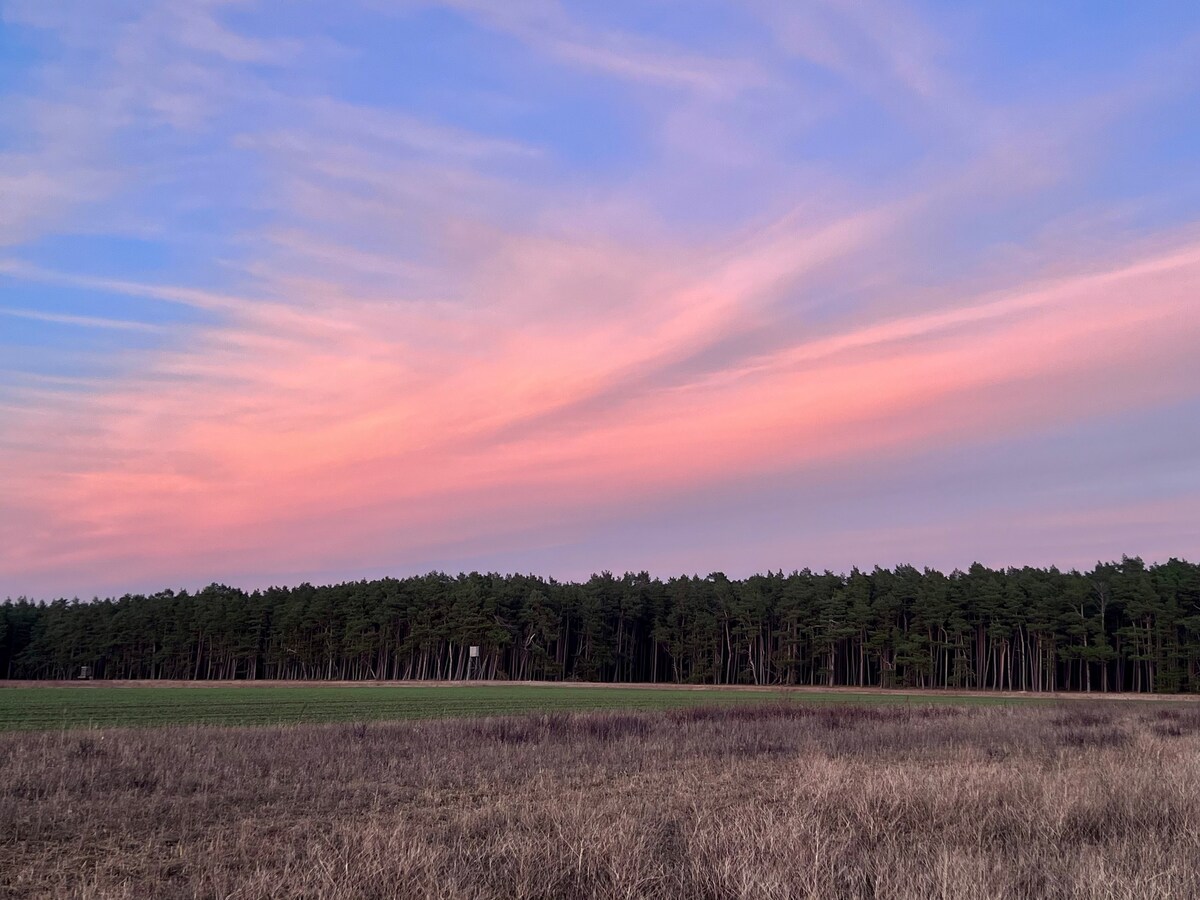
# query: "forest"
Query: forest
{"points": [[1123, 626]]}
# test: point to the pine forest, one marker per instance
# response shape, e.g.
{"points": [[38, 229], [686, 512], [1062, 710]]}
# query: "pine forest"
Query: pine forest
{"points": [[1123, 626]]}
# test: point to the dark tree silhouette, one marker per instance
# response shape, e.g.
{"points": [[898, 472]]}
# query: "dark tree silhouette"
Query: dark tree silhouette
{"points": [[1124, 626]]}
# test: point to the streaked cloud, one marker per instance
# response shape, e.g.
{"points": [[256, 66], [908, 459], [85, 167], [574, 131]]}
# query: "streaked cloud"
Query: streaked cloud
{"points": [[374, 330]]}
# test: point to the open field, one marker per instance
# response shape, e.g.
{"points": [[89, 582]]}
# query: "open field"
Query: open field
{"points": [[767, 800], [30, 706]]}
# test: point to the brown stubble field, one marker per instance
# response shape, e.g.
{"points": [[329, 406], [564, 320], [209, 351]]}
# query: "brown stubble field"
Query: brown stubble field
{"points": [[767, 800]]}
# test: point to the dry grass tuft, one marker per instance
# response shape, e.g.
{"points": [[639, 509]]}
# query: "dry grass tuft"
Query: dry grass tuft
{"points": [[770, 801]]}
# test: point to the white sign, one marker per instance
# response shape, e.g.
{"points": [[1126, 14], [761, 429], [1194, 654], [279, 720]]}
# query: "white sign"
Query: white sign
{"points": [[474, 652]]}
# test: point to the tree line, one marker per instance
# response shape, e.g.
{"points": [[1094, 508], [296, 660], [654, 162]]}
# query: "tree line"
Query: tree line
{"points": [[1123, 626]]}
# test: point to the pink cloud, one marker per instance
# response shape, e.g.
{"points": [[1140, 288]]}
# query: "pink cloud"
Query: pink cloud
{"points": [[246, 441], [443, 338]]}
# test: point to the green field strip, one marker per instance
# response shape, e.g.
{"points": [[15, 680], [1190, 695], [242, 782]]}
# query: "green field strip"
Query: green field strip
{"points": [[37, 708]]}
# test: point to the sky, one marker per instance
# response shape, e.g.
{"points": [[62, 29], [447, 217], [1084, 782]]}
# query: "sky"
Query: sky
{"points": [[316, 291]]}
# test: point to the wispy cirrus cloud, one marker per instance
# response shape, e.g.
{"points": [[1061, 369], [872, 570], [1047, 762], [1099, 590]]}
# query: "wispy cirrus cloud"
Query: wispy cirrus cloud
{"points": [[547, 27], [418, 337]]}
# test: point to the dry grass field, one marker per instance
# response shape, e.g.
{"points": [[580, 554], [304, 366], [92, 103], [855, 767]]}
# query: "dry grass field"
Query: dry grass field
{"points": [[768, 800]]}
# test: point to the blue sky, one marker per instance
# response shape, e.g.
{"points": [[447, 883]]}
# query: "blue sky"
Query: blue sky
{"points": [[316, 292]]}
